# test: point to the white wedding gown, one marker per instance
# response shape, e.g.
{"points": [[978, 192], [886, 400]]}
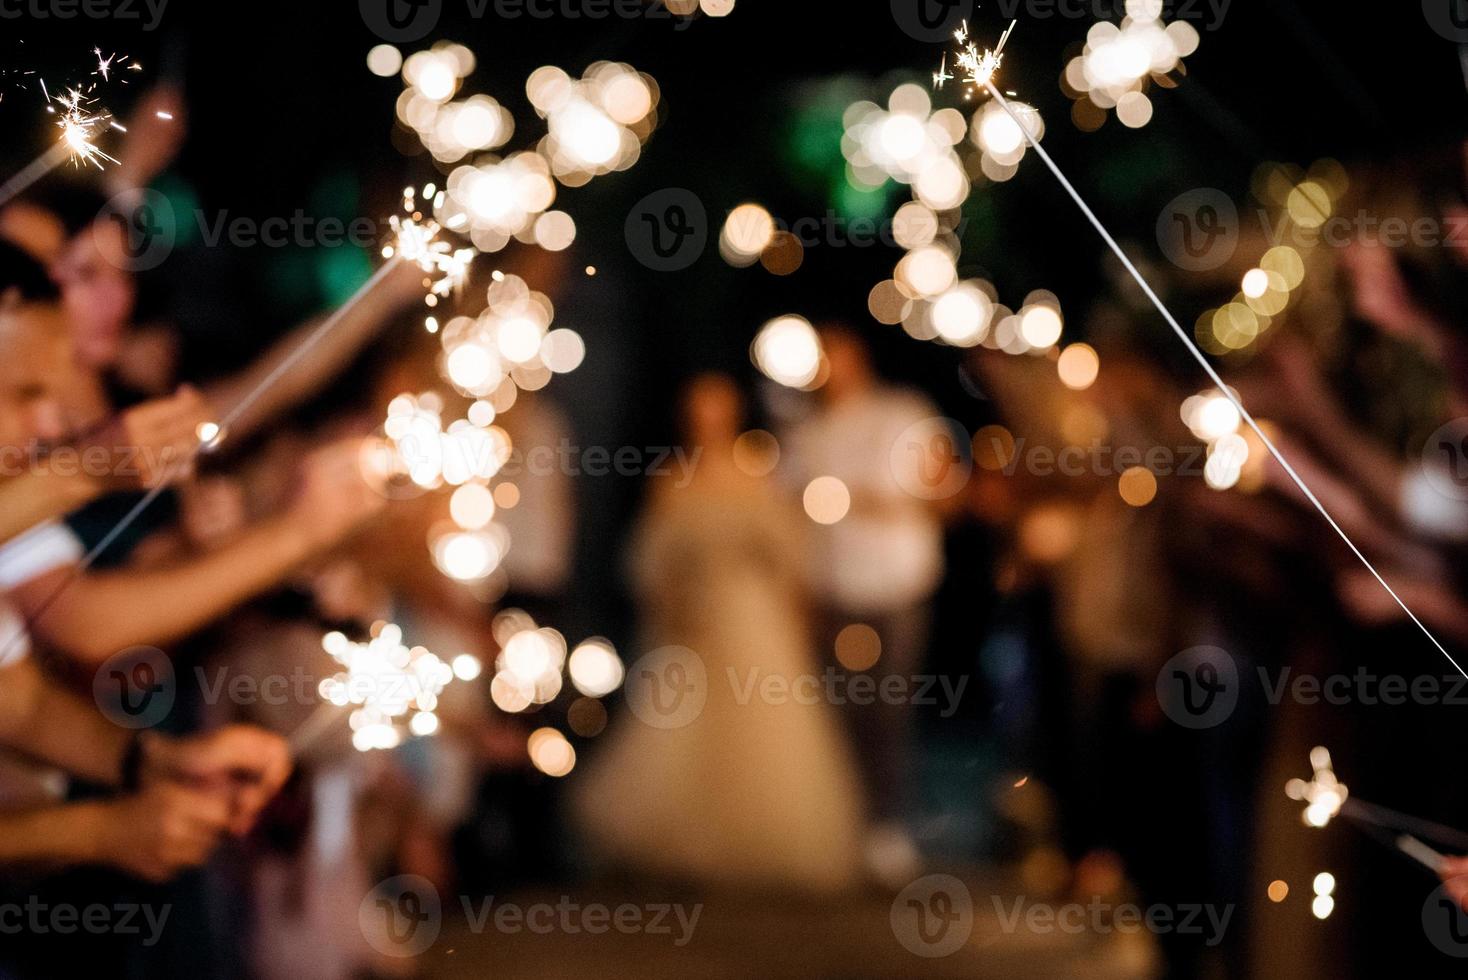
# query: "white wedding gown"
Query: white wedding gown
{"points": [[751, 791]]}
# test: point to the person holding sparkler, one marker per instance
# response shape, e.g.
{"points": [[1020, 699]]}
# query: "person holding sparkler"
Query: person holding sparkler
{"points": [[93, 616]]}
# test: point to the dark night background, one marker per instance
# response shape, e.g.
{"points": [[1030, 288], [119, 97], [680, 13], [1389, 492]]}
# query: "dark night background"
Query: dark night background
{"points": [[284, 115]]}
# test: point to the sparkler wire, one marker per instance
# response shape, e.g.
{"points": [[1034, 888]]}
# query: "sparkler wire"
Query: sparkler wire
{"points": [[1362, 812], [1208, 367], [181, 466], [317, 724], [34, 171]]}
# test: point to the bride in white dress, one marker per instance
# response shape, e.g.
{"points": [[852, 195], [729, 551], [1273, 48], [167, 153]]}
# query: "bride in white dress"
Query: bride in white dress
{"points": [[756, 786]]}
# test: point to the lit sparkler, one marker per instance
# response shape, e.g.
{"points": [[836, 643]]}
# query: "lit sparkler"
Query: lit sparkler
{"points": [[416, 239], [386, 689], [79, 128], [1326, 797], [978, 70], [975, 67], [81, 120]]}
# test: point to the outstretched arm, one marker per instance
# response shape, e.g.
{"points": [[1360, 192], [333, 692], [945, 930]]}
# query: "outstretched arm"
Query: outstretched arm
{"points": [[90, 616], [46, 722], [265, 397], [141, 448]]}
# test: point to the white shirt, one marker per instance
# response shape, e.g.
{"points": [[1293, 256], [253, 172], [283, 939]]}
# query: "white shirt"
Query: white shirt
{"points": [[44, 548], [870, 562]]}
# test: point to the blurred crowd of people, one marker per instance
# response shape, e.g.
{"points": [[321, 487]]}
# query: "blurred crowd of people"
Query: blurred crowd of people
{"points": [[812, 552]]}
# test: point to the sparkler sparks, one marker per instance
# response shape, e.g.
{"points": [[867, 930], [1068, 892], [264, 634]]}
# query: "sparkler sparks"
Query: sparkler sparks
{"points": [[79, 127], [975, 67], [415, 239], [388, 687], [387, 683], [1324, 795], [978, 70]]}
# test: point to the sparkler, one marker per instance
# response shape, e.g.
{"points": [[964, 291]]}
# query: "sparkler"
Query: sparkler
{"points": [[1326, 797], [978, 70], [385, 689], [81, 121], [416, 239]]}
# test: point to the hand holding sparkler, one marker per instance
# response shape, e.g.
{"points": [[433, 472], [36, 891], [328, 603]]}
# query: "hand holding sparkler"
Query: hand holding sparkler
{"points": [[978, 70], [246, 765], [1326, 797], [1454, 873]]}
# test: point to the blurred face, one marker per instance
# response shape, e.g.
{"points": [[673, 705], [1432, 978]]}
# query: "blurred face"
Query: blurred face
{"points": [[98, 293], [713, 410], [850, 367], [35, 364]]}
